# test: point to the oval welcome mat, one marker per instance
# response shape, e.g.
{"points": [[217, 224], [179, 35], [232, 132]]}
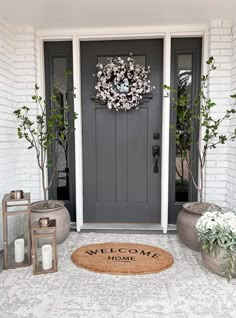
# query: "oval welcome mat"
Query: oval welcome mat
{"points": [[122, 258]]}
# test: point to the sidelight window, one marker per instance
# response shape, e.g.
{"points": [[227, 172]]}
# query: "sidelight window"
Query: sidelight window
{"points": [[184, 88], [185, 79]]}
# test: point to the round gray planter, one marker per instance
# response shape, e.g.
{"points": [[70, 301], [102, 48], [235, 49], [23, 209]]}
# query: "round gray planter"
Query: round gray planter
{"points": [[218, 262], [187, 220], [54, 210]]}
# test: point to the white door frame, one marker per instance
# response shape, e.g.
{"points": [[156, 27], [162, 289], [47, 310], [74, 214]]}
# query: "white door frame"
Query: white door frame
{"points": [[96, 34]]}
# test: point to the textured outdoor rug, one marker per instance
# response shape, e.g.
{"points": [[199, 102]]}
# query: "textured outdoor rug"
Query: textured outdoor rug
{"points": [[122, 258], [185, 290]]}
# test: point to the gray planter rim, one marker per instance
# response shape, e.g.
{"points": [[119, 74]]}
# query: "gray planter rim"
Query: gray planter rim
{"points": [[60, 205]]}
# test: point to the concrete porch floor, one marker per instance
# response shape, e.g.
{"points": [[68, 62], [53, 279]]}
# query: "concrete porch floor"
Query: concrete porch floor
{"points": [[185, 290]]}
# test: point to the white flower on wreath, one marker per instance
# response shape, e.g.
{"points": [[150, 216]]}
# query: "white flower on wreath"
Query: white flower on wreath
{"points": [[121, 83]]}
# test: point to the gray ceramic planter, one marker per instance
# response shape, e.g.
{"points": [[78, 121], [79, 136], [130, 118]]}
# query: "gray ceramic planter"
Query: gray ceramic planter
{"points": [[187, 220], [217, 263], [58, 211]]}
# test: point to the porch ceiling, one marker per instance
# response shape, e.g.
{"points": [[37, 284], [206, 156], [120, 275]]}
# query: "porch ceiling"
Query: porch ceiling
{"points": [[106, 13]]}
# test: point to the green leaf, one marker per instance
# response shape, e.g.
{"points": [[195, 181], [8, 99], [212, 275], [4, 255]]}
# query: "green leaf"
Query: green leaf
{"points": [[210, 60], [25, 108], [49, 162]]}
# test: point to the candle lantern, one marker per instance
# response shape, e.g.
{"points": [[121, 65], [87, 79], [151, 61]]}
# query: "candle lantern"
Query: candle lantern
{"points": [[16, 229], [44, 246]]}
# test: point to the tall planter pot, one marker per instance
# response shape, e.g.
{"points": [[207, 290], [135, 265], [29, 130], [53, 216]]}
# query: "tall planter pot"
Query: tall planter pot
{"points": [[217, 263], [54, 210], [187, 220]]}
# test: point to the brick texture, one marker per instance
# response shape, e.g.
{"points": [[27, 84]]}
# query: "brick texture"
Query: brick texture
{"points": [[231, 168], [220, 46], [17, 79], [26, 77]]}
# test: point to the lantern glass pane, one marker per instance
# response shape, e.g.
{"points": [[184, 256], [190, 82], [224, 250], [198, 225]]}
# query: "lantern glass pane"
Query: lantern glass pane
{"points": [[17, 240], [44, 249]]}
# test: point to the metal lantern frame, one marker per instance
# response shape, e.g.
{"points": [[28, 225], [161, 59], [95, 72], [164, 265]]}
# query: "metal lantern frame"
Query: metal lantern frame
{"points": [[38, 232], [21, 207]]}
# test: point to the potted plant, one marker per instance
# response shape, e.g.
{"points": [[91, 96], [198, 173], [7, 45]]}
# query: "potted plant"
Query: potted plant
{"points": [[48, 135], [217, 235], [196, 125]]}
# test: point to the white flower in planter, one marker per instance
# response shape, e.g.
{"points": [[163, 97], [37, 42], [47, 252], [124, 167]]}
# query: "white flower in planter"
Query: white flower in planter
{"points": [[217, 231]]}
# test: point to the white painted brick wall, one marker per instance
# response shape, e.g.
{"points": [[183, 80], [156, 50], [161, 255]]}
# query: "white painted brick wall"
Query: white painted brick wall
{"points": [[26, 77], [231, 169], [220, 46], [8, 140], [18, 168]]}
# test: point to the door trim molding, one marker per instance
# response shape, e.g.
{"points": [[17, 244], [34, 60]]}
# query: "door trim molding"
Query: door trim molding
{"points": [[165, 134], [78, 35], [122, 226]]}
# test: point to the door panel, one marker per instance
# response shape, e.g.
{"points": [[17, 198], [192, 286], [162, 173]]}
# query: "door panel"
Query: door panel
{"points": [[105, 152], [119, 182], [138, 153]]}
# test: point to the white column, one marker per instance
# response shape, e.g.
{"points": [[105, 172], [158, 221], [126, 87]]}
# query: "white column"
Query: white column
{"points": [[165, 135]]}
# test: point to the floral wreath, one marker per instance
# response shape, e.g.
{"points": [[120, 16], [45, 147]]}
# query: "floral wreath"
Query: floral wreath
{"points": [[121, 83]]}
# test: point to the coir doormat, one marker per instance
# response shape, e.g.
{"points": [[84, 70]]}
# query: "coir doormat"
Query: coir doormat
{"points": [[122, 258]]}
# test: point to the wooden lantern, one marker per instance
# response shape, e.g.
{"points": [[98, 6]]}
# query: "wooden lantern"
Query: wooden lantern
{"points": [[44, 246], [16, 229]]}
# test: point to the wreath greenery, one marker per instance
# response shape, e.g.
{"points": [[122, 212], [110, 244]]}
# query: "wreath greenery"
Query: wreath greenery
{"points": [[121, 84]]}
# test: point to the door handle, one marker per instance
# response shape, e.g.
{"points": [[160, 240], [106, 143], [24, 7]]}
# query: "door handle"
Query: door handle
{"points": [[156, 154]]}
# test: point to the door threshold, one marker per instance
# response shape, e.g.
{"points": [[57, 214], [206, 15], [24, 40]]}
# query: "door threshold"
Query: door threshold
{"points": [[73, 226], [122, 226]]}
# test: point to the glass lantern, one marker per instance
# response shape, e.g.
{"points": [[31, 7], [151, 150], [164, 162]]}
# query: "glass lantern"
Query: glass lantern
{"points": [[44, 246], [16, 229]]}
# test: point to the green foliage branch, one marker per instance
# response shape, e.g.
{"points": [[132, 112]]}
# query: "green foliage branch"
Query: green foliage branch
{"points": [[191, 117], [47, 131]]}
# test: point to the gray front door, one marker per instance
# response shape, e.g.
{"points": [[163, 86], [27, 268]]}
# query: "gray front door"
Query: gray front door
{"points": [[119, 181]]}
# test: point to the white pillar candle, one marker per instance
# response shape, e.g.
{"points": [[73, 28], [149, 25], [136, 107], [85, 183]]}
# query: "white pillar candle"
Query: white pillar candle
{"points": [[47, 256], [19, 250]]}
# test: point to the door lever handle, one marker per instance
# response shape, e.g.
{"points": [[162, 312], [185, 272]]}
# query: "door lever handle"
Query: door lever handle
{"points": [[156, 154]]}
